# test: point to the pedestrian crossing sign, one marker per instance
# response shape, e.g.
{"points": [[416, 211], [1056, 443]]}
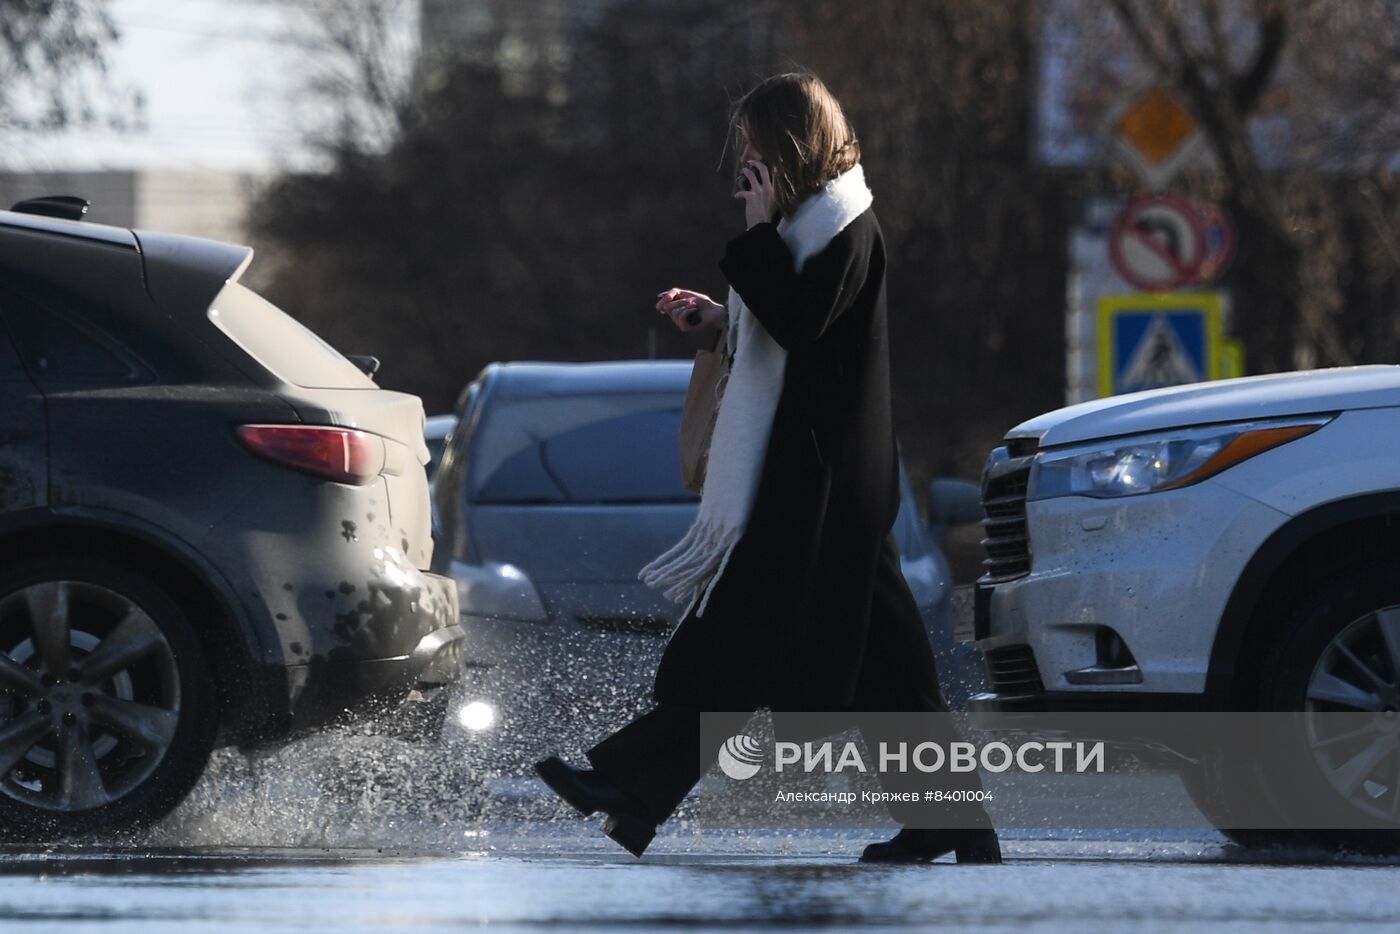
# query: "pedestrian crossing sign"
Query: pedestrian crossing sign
{"points": [[1148, 341]]}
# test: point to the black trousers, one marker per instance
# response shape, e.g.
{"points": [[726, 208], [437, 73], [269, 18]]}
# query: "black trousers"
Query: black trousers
{"points": [[656, 759]]}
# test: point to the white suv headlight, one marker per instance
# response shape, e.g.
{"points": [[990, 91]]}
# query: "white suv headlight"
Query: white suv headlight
{"points": [[1131, 466]]}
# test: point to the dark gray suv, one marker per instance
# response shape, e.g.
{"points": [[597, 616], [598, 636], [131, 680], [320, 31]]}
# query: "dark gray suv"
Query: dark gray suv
{"points": [[214, 528]]}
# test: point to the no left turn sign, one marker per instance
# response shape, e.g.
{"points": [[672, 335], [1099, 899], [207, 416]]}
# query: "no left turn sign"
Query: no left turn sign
{"points": [[1159, 242]]}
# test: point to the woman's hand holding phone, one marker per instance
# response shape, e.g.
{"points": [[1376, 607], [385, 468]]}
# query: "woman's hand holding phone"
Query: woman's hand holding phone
{"points": [[691, 310], [760, 206]]}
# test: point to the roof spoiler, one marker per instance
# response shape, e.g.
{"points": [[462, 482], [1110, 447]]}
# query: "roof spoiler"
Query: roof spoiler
{"points": [[66, 207]]}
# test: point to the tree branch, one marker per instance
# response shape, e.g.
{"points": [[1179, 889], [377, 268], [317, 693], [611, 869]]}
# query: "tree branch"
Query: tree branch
{"points": [[1146, 44], [1219, 45], [1188, 63], [1383, 226], [1273, 36]]}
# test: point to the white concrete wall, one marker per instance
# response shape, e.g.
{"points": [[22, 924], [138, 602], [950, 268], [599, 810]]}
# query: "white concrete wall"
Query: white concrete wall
{"points": [[200, 203], [195, 202]]}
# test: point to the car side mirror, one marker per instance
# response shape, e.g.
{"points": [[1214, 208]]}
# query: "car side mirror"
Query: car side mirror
{"points": [[953, 502]]}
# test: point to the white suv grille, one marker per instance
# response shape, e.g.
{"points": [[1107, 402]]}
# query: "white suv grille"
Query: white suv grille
{"points": [[1004, 498]]}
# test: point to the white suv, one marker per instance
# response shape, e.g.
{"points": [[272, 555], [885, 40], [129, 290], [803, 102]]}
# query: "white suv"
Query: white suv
{"points": [[1232, 545]]}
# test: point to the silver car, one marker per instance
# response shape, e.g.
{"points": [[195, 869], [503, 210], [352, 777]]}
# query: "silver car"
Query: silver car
{"points": [[559, 482]]}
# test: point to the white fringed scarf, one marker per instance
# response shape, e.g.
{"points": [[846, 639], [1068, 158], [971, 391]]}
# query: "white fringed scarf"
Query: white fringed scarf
{"points": [[747, 405]]}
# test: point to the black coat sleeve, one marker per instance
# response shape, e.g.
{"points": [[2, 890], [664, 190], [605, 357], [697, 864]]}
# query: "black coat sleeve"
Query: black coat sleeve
{"points": [[795, 308]]}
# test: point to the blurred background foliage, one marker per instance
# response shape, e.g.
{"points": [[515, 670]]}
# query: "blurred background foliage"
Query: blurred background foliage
{"points": [[525, 189], [53, 68]]}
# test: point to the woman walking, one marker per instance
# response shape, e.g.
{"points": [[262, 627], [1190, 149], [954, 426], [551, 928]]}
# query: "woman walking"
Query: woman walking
{"points": [[790, 573]]}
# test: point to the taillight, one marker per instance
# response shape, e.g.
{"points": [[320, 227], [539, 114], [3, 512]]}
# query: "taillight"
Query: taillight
{"points": [[340, 454]]}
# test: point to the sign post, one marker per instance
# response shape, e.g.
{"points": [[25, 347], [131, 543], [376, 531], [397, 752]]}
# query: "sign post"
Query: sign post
{"points": [[1163, 247]]}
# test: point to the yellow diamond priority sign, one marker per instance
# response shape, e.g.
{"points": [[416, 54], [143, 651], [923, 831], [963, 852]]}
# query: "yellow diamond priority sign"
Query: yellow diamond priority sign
{"points": [[1156, 125], [1155, 132]]}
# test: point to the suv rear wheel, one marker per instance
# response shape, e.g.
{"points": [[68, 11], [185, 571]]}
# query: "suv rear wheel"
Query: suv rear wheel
{"points": [[107, 714]]}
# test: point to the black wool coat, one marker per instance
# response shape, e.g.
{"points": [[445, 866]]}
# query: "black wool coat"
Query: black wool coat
{"points": [[786, 625]]}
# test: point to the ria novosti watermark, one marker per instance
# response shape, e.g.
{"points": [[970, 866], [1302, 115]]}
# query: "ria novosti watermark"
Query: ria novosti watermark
{"points": [[740, 757], [1303, 770]]}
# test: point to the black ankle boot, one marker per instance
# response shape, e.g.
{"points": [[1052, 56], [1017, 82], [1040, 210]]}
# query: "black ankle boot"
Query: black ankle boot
{"points": [[633, 834], [910, 845], [585, 789], [922, 845], [588, 792], [979, 846]]}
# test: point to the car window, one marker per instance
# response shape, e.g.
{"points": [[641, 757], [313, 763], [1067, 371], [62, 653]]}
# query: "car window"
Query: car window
{"points": [[284, 346], [55, 348], [618, 448]]}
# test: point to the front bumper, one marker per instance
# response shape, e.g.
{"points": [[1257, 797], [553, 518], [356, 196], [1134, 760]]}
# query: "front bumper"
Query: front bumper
{"points": [[1153, 571]]}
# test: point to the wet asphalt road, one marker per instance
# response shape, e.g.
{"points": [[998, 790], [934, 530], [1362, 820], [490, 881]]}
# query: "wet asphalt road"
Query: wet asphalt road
{"points": [[566, 875], [343, 832]]}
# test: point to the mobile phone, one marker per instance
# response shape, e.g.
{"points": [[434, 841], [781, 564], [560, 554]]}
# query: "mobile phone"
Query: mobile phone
{"points": [[692, 318], [741, 181]]}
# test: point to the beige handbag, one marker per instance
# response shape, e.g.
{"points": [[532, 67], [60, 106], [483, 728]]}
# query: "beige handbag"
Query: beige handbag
{"points": [[707, 379]]}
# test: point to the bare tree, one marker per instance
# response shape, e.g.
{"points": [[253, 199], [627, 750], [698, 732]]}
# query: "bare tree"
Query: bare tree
{"points": [[505, 222], [1343, 78], [52, 63], [357, 70]]}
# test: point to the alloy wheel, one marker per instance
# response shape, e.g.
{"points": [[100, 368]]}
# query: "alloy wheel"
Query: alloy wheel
{"points": [[89, 696], [1358, 674]]}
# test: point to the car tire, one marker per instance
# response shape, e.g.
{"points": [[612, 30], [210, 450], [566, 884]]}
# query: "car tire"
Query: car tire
{"points": [[1218, 784], [118, 736], [1295, 677]]}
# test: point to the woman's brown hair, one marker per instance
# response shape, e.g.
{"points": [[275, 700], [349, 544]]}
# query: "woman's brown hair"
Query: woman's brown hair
{"points": [[796, 123]]}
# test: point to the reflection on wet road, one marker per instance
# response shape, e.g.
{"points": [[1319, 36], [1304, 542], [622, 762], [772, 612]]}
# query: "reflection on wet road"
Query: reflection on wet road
{"points": [[350, 832], [532, 875]]}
